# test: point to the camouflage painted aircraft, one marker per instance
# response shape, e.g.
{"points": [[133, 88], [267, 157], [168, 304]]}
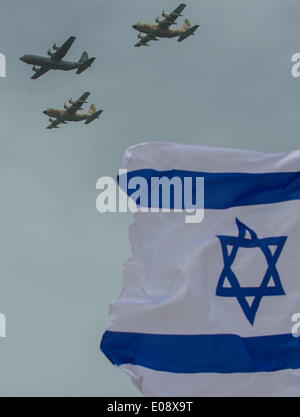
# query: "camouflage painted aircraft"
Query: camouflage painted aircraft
{"points": [[69, 114], [162, 28], [55, 60]]}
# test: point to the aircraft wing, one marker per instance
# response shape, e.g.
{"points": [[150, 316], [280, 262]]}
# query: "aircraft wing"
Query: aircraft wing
{"points": [[172, 17], [76, 105], [39, 72], [62, 51], [54, 124], [144, 40]]}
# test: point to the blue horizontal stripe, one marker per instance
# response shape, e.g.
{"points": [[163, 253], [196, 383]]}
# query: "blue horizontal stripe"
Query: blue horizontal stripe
{"points": [[225, 190], [219, 353]]}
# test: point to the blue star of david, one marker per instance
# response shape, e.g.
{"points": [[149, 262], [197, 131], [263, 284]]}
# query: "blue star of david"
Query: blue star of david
{"points": [[264, 290]]}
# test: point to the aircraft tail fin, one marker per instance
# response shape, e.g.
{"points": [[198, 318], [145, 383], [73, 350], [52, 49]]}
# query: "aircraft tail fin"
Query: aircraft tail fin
{"points": [[186, 25], [84, 57], [92, 109]]}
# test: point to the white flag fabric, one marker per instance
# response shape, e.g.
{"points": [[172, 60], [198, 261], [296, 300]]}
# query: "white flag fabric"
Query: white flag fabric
{"points": [[207, 308]]}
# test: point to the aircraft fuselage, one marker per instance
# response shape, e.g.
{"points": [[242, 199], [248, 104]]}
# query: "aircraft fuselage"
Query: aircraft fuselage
{"points": [[157, 30], [50, 63], [66, 116]]}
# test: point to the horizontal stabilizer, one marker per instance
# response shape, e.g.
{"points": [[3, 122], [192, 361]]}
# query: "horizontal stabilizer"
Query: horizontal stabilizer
{"points": [[188, 33], [93, 117], [85, 65], [137, 45]]}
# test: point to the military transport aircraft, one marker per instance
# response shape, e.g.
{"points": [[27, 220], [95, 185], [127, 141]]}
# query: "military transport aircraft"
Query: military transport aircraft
{"points": [[55, 60], [162, 28], [69, 114]]}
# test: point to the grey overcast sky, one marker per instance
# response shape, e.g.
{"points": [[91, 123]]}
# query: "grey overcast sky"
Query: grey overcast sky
{"points": [[61, 261]]}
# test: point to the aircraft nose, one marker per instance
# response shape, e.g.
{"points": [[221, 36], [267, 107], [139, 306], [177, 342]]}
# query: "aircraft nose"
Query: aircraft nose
{"points": [[134, 27], [21, 58], [45, 112]]}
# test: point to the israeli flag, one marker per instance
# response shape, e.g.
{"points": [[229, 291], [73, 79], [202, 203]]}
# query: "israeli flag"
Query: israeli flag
{"points": [[208, 308]]}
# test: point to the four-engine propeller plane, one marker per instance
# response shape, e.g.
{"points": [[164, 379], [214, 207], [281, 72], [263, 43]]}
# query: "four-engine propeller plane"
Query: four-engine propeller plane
{"points": [[55, 60], [69, 114], [162, 28]]}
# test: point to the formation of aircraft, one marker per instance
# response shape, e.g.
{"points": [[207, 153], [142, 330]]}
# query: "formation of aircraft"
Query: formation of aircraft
{"points": [[55, 61], [70, 113], [162, 28]]}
